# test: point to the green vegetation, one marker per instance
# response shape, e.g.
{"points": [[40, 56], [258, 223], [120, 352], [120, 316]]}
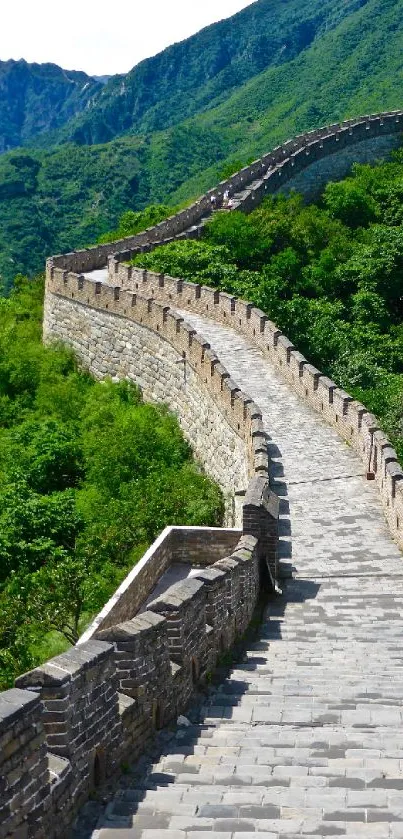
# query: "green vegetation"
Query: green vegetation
{"points": [[198, 110], [38, 98], [205, 70], [53, 202], [89, 475], [329, 275]]}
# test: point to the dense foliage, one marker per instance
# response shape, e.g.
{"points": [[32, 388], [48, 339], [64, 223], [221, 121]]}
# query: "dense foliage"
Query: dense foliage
{"points": [[231, 92], [38, 98], [89, 475], [52, 202], [329, 275]]}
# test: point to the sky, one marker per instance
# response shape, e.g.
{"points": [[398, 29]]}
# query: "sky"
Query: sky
{"points": [[103, 37]]}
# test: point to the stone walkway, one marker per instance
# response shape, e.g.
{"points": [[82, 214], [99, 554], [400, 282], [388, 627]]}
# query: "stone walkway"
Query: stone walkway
{"points": [[305, 736]]}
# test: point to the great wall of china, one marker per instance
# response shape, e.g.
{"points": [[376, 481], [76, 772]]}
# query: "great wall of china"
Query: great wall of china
{"points": [[307, 744]]}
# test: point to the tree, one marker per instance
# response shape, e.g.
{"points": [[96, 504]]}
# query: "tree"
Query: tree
{"points": [[35, 528], [49, 454], [60, 592], [349, 203]]}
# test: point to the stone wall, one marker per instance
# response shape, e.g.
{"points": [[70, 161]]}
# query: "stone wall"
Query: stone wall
{"points": [[70, 724], [310, 182], [351, 419], [320, 157], [124, 335], [24, 769], [198, 546]]}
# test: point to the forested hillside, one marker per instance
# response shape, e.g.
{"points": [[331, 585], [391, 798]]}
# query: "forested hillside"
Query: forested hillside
{"points": [[89, 476], [350, 64], [330, 276], [202, 71], [39, 98]]}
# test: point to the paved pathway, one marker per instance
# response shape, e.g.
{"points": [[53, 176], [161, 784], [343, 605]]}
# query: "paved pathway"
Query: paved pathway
{"points": [[305, 736]]}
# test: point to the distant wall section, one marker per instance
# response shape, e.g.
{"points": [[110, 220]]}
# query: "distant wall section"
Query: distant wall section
{"points": [[311, 181], [362, 139]]}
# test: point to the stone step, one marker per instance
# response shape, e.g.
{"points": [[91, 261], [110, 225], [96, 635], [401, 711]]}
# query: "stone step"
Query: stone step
{"points": [[333, 831], [245, 820]]}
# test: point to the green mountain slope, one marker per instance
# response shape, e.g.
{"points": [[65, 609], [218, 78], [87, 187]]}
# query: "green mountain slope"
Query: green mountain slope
{"points": [[65, 198], [38, 98], [205, 69], [355, 69]]}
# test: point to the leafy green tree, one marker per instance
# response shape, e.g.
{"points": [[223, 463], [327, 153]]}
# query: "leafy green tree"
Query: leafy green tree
{"points": [[17, 637], [349, 203], [123, 441], [60, 591], [49, 454], [247, 244], [34, 528], [190, 259]]}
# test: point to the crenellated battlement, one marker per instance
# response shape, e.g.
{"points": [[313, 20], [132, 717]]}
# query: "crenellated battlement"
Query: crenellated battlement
{"points": [[151, 291]]}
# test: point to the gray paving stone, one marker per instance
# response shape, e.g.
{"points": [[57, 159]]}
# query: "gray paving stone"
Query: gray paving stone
{"points": [[304, 736]]}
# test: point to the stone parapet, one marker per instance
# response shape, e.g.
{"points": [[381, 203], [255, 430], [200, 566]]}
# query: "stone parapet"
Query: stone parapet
{"points": [[24, 773], [97, 303], [71, 723], [350, 419], [199, 546]]}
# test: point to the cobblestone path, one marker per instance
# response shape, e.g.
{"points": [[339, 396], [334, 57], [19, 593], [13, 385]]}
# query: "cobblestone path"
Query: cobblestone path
{"points": [[305, 736]]}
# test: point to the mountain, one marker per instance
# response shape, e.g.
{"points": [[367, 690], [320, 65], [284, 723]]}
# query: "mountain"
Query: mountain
{"points": [[353, 69], [39, 98], [202, 71], [64, 198]]}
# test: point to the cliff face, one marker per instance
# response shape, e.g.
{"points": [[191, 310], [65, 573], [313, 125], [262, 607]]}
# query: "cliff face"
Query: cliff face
{"points": [[39, 98]]}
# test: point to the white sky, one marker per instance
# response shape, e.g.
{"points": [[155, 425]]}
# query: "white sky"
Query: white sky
{"points": [[102, 37]]}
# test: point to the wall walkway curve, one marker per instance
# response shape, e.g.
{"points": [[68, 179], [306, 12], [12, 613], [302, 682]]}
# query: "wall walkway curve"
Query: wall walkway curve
{"points": [[350, 418], [68, 724], [124, 334], [303, 736]]}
